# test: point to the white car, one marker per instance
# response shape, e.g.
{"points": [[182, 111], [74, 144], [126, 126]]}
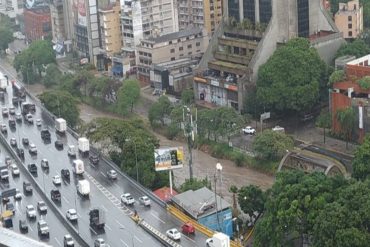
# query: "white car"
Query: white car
{"points": [[41, 207], [38, 122], [249, 130], [30, 211], [112, 174], [72, 214], [44, 164], [68, 241], [99, 242], [57, 180], [173, 234], [29, 118], [127, 199], [32, 149], [144, 200], [278, 128], [15, 169], [18, 195]]}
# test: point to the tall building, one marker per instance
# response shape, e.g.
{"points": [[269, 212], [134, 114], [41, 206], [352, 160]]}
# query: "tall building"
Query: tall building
{"points": [[205, 14], [11, 8], [37, 23], [61, 22], [257, 11], [349, 19]]}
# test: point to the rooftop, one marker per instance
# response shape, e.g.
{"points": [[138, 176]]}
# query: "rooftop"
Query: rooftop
{"points": [[176, 35]]}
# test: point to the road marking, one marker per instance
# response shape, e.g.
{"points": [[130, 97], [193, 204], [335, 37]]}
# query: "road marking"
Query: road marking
{"points": [[79, 215], [104, 208], [138, 239], [30, 228], [58, 241], [108, 227], [65, 199], [103, 174], [155, 216], [93, 230], [120, 224], [123, 242]]}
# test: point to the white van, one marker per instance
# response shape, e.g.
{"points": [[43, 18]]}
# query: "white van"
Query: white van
{"points": [[78, 167]]}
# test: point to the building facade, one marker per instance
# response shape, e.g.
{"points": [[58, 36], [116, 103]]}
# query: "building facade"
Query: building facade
{"points": [[349, 19], [170, 47], [11, 8], [37, 23], [205, 14], [256, 11]]}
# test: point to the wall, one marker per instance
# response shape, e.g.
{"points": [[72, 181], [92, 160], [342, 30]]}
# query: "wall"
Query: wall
{"points": [[225, 220], [328, 46]]}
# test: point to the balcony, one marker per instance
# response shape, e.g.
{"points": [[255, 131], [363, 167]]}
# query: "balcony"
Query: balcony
{"points": [[234, 68], [224, 56], [217, 81], [241, 43]]}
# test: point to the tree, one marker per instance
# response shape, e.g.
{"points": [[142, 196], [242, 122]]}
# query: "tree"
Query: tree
{"points": [[53, 75], [357, 48], [290, 80], [324, 121], [251, 200], [160, 111], [61, 104], [6, 37], [346, 118], [361, 162], [364, 82], [187, 97], [336, 76], [195, 184], [128, 95], [272, 145]]}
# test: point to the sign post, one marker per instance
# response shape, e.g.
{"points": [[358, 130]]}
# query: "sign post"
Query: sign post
{"points": [[265, 115]]}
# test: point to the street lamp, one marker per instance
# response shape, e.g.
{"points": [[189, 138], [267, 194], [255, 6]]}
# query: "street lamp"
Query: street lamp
{"points": [[137, 169], [219, 171]]}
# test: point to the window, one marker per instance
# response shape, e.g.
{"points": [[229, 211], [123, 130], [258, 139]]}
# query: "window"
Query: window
{"points": [[172, 59], [172, 51], [197, 44], [349, 18], [181, 48], [350, 26], [190, 53], [170, 42], [350, 33], [189, 46]]}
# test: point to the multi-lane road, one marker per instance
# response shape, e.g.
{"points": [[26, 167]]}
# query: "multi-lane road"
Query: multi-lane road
{"points": [[120, 230]]}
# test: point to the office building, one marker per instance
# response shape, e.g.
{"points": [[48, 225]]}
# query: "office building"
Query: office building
{"points": [[349, 19]]}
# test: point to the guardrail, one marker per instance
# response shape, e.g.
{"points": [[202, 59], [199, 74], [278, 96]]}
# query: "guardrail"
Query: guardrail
{"points": [[47, 200]]}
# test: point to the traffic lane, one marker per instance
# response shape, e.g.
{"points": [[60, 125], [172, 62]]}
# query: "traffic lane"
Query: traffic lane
{"points": [[57, 229]]}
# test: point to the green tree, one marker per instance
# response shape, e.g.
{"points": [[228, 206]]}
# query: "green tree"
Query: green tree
{"points": [[361, 162], [195, 184], [357, 48], [128, 96], [187, 97], [6, 37], [272, 145], [290, 80], [159, 111], [337, 76], [324, 121], [52, 76], [346, 118], [364, 82], [61, 104], [251, 200]]}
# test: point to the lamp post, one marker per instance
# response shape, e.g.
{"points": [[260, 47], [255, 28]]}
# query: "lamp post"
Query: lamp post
{"points": [[219, 171]]}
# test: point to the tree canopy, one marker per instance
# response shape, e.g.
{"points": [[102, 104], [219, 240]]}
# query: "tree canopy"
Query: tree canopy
{"points": [[128, 95], [357, 48], [337, 76], [160, 111], [52, 76], [361, 162], [346, 118], [187, 97], [290, 79], [251, 200], [272, 145], [6, 32]]}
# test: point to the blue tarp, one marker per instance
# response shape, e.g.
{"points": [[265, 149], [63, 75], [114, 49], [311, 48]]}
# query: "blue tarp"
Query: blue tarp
{"points": [[117, 69]]}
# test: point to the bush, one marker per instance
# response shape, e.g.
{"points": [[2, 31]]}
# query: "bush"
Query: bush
{"points": [[238, 158]]}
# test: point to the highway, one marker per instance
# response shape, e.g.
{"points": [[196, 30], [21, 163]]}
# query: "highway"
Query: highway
{"points": [[120, 230]]}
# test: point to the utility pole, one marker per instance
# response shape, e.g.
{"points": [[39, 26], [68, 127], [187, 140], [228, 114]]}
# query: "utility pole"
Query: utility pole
{"points": [[189, 133]]}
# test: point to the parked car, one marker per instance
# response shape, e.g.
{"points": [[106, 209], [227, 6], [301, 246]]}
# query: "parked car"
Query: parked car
{"points": [[41, 207], [71, 214], [188, 228], [32, 149], [58, 144], [25, 141], [13, 142], [57, 180], [112, 174], [144, 200], [30, 211], [15, 170], [44, 164], [27, 188], [249, 130], [32, 168], [23, 226], [173, 234], [68, 241]]}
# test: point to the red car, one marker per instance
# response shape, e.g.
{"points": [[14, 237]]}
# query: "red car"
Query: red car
{"points": [[188, 228]]}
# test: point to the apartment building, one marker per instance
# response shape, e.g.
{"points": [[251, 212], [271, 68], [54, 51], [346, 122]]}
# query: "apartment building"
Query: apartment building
{"points": [[205, 14], [11, 8], [110, 28], [37, 24], [170, 47], [349, 19]]}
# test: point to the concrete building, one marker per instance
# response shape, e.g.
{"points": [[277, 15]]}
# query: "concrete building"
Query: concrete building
{"points": [[205, 14], [229, 67], [12, 8], [349, 19], [170, 47], [37, 24]]}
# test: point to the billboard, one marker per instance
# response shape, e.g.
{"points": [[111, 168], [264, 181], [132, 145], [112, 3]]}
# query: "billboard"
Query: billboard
{"points": [[81, 13], [168, 158]]}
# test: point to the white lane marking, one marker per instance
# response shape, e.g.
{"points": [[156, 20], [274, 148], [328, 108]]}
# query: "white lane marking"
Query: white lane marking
{"points": [[58, 241], [155, 216], [65, 199], [30, 228], [104, 208], [102, 173], [138, 239], [123, 242], [79, 215], [93, 230], [108, 227], [120, 224]]}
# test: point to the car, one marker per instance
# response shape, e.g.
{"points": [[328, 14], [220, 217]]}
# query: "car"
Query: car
{"points": [[5, 112], [8, 160], [65, 174], [278, 128], [15, 170], [38, 122], [173, 234], [68, 241], [112, 174], [32, 168], [99, 242], [5, 200], [94, 159], [25, 141], [127, 199], [12, 110], [55, 195], [58, 144], [3, 128], [12, 124], [144, 200], [29, 118], [18, 117], [27, 188], [209, 242], [43, 228], [41, 207], [44, 164], [32, 149], [20, 153], [71, 214], [10, 207], [30, 211], [57, 180], [13, 142], [23, 227], [188, 228], [45, 134], [18, 195], [249, 130], [72, 151]]}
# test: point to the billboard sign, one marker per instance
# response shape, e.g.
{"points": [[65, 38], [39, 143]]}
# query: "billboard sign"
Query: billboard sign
{"points": [[168, 158], [81, 8]]}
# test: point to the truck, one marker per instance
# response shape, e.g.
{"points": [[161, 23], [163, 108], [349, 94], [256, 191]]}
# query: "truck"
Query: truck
{"points": [[219, 239], [28, 108], [18, 90], [78, 167], [3, 82], [83, 145], [4, 173], [83, 187], [97, 219], [61, 126]]}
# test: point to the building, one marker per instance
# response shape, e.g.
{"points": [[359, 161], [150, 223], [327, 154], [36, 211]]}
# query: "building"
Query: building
{"points": [[349, 19], [110, 28], [349, 93], [11, 8], [207, 208], [205, 14], [37, 23], [251, 34], [169, 47]]}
